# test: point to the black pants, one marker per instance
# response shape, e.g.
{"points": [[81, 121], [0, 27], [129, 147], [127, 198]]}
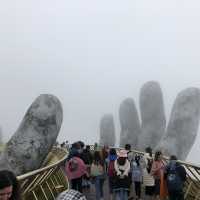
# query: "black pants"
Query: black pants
{"points": [[77, 184], [176, 195], [138, 189]]}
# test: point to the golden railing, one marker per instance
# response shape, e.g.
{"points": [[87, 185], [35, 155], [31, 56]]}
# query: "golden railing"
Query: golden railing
{"points": [[192, 185], [46, 183]]}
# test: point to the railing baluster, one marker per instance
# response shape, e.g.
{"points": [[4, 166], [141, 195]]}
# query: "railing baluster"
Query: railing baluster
{"points": [[45, 196], [39, 180], [50, 190], [53, 179], [34, 195]]}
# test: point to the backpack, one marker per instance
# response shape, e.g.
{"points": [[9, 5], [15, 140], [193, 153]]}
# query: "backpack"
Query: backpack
{"points": [[73, 165], [174, 182], [111, 169]]}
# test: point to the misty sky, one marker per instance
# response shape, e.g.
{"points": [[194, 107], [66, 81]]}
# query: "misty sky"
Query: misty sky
{"points": [[92, 55]]}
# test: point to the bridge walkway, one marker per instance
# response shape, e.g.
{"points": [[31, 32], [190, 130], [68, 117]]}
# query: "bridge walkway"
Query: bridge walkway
{"points": [[90, 193], [50, 180]]}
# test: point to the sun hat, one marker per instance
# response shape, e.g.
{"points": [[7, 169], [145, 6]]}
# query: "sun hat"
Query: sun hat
{"points": [[122, 154]]}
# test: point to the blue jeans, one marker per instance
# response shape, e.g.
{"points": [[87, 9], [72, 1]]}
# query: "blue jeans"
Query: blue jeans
{"points": [[98, 182], [121, 194]]}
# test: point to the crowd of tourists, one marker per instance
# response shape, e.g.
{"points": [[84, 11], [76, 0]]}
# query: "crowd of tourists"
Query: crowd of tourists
{"points": [[127, 173], [146, 176]]}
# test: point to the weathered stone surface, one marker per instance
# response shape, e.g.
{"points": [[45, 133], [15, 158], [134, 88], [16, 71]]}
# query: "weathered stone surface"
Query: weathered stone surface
{"points": [[35, 136], [152, 115], [107, 131], [183, 125], [130, 125]]}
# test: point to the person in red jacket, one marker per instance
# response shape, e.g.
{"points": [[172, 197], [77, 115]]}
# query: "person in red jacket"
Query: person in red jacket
{"points": [[75, 170]]}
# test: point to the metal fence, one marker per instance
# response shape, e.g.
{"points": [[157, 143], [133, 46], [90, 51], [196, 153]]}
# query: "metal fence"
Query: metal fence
{"points": [[46, 183], [192, 185]]}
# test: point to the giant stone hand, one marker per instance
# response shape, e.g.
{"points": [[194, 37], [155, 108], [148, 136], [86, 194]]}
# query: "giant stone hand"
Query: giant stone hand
{"points": [[107, 130], [30, 144], [182, 128]]}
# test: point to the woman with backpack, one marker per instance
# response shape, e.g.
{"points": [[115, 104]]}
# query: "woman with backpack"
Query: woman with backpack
{"points": [[157, 170], [148, 179], [137, 176], [97, 172], [111, 170], [175, 175], [122, 180]]}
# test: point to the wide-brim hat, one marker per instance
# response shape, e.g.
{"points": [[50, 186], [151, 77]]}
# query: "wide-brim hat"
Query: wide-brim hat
{"points": [[122, 154]]}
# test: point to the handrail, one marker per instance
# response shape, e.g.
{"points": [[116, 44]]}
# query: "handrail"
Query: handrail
{"points": [[166, 158], [47, 182], [192, 186], [37, 171]]}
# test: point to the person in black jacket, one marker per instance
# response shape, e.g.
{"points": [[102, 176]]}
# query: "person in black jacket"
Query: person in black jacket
{"points": [[87, 155], [87, 158], [175, 175]]}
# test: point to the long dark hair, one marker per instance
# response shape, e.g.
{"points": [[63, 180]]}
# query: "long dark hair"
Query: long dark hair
{"points": [[149, 150], [137, 160], [104, 153], [97, 160], [8, 178], [128, 147], [112, 151], [157, 154]]}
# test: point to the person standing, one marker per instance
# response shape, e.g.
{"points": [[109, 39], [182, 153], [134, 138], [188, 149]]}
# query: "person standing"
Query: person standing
{"points": [[87, 158], [175, 176], [130, 154], [148, 179], [97, 172], [157, 171], [104, 156], [67, 145], [111, 170], [75, 170], [122, 180], [137, 176]]}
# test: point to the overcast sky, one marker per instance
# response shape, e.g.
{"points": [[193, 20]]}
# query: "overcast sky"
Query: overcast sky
{"points": [[92, 55]]}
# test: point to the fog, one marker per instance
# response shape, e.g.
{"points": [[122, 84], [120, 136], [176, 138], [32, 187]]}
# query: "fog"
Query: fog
{"points": [[92, 55]]}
